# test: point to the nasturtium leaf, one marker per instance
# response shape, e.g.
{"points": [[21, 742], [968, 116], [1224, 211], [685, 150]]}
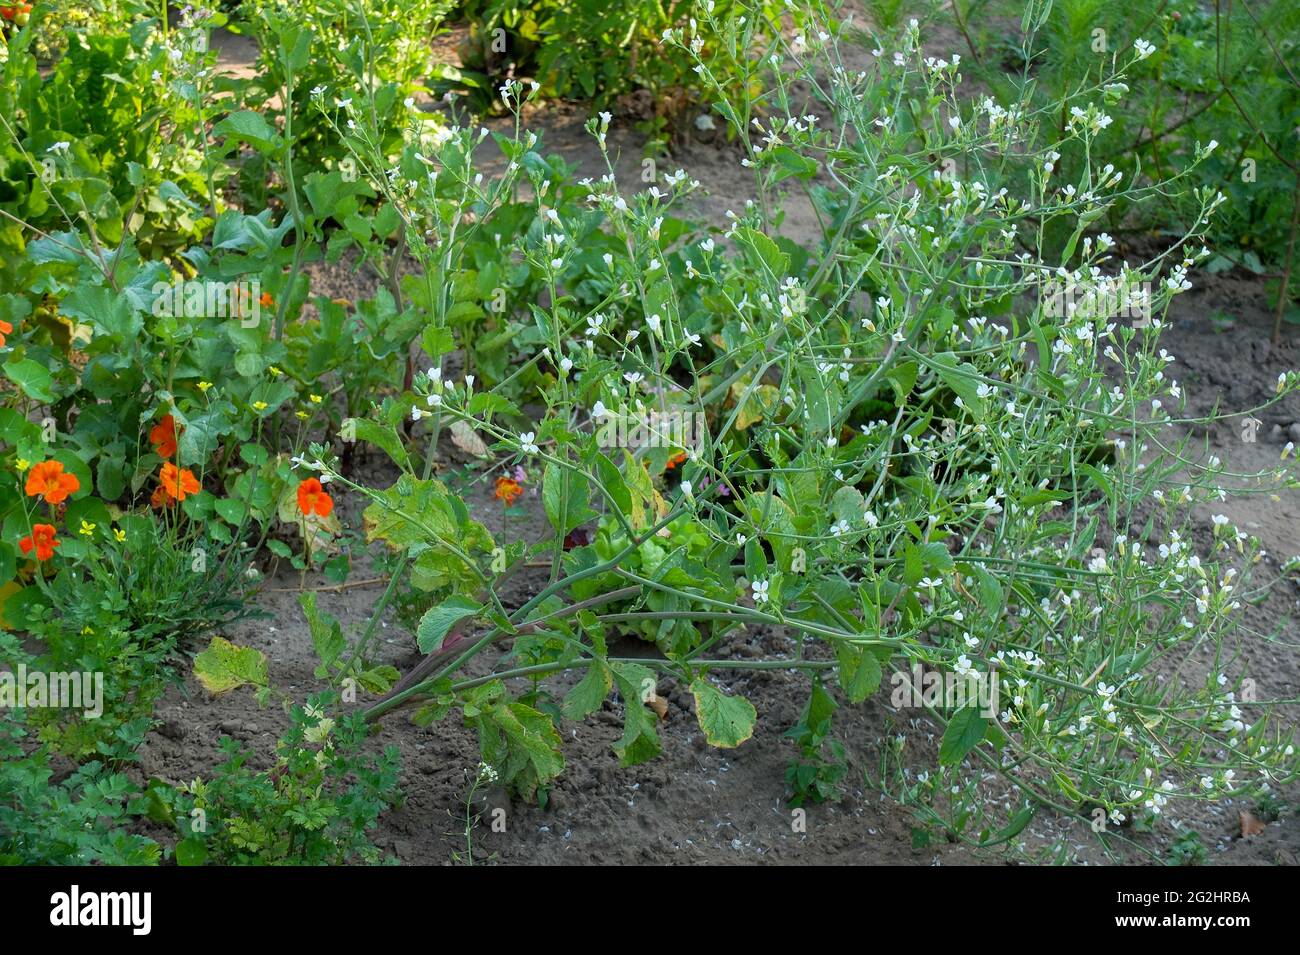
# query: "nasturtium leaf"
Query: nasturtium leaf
{"points": [[33, 378], [191, 851]]}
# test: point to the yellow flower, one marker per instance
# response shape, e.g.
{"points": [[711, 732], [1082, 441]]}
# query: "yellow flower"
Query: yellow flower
{"points": [[302, 414], [316, 399], [22, 464], [119, 535], [87, 528], [204, 386], [259, 406], [87, 630], [276, 371]]}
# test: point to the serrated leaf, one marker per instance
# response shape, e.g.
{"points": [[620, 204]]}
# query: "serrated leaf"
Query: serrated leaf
{"points": [[437, 621], [590, 693], [859, 672], [326, 634], [224, 666], [639, 742]]}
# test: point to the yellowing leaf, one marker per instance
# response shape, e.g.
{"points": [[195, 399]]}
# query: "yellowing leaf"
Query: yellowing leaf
{"points": [[761, 399], [727, 721], [463, 436], [225, 666]]}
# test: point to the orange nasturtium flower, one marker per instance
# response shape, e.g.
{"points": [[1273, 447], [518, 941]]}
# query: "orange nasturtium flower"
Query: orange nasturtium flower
{"points": [[163, 436], [177, 483], [266, 301], [675, 460], [42, 540], [5, 329], [508, 490], [17, 13], [48, 479], [312, 499]]}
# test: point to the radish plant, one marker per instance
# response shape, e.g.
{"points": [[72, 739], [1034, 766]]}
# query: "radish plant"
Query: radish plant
{"points": [[942, 442]]}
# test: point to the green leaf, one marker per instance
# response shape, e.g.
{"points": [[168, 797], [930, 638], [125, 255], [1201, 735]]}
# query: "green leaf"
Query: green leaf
{"points": [[586, 698], [31, 377], [437, 621], [247, 127], [960, 377], [326, 634], [859, 672], [202, 434], [223, 667], [612, 481], [763, 251], [847, 504], [564, 496], [639, 742], [534, 733], [965, 730], [1012, 828], [366, 430], [108, 312], [727, 721], [379, 679], [191, 851]]}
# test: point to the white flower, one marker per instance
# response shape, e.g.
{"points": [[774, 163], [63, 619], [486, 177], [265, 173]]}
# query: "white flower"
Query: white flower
{"points": [[759, 587], [598, 410], [1143, 48], [527, 443], [871, 519]]}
